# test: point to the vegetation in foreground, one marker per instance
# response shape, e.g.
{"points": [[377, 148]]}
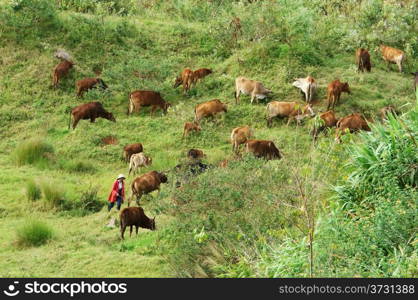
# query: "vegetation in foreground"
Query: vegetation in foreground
{"points": [[324, 210]]}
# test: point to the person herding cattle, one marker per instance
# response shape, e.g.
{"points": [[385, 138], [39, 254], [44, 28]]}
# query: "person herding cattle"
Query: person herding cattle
{"points": [[118, 193]]}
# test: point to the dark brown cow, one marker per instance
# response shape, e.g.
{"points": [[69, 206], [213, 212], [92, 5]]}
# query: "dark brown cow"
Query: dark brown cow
{"points": [[415, 80], [190, 126], [92, 111], [134, 216], [329, 120], [209, 109], [363, 60], [195, 154], [86, 84], [200, 74], [146, 184], [138, 99], [186, 79], [263, 149], [334, 91], [60, 71], [128, 150], [354, 122]]}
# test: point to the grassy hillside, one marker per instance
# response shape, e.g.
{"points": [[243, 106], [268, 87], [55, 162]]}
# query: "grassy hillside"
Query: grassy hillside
{"points": [[227, 222]]}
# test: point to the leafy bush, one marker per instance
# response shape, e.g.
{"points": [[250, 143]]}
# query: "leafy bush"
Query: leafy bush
{"points": [[34, 233], [31, 152], [33, 191]]}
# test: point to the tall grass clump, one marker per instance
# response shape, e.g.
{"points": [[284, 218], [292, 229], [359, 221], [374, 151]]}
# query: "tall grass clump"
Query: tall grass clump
{"points": [[77, 166], [53, 196], [34, 233], [32, 152], [33, 191]]}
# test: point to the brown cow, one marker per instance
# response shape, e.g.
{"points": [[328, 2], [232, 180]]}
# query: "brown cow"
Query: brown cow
{"points": [[290, 110], [334, 91], [329, 120], [134, 216], [189, 127], [354, 122], [392, 55], [92, 111], [209, 109], [128, 150], [146, 184], [363, 60], [186, 79], [250, 87], [86, 84], [239, 136], [138, 99], [195, 154], [415, 80], [263, 149], [60, 71], [385, 111], [200, 74]]}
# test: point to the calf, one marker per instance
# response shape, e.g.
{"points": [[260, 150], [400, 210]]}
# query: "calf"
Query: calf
{"points": [[190, 126], [392, 55], [385, 111], [334, 91], [209, 109], [60, 71], [329, 120], [195, 154], [307, 86], [363, 60], [200, 74], [134, 216], [354, 122], [186, 79], [239, 136], [250, 87], [128, 150], [146, 184], [86, 84], [290, 110], [138, 99], [263, 149], [415, 80], [137, 161], [92, 111]]}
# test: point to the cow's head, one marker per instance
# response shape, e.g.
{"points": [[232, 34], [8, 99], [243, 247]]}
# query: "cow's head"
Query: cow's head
{"points": [[152, 224], [309, 110], [163, 177], [346, 88], [149, 161], [166, 107], [110, 117], [224, 107], [103, 85], [178, 82]]}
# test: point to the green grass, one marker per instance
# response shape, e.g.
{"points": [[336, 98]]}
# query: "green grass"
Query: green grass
{"points": [[33, 192], [76, 171], [34, 233]]}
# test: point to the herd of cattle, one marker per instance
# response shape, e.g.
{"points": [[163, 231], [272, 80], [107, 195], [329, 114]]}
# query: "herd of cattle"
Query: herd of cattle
{"points": [[151, 181]]}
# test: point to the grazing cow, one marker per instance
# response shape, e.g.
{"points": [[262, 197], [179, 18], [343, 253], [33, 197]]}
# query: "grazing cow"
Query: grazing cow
{"points": [[239, 136], [353, 122], [190, 126], [392, 55], [60, 71], [195, 154], [200, 74], [209, 109], [134, 216], [263, 149], [86, 84], [307, 86], [415, 80], [92, 111], [186, 79], [128, 150], [250, 87], [334, 91], [385, 111], [363, 60], [63, 55], [329, 120], [137, 161], [138, 99], [290, 110], [146, 184]]}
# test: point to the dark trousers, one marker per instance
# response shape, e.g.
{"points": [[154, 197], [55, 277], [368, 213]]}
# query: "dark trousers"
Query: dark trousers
{"points": [[118, 203]]}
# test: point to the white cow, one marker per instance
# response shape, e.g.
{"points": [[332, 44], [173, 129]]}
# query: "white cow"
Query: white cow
{"points": [[307, 86], [137, 161]]}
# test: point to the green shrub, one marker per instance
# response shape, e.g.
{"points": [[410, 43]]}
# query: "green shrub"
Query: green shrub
{"points": [[34, 233], [31, 152], [33, 191], [53, 196], [77, 166]]}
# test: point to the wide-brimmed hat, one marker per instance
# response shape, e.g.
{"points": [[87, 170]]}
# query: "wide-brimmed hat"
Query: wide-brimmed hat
{"points": [[121, 176]]}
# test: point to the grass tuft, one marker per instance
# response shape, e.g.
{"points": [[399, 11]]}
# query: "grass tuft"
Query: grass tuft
{"points": [[34, 233]]}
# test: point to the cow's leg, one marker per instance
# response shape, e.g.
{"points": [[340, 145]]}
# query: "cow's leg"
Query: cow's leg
{"points": [[92, 119], [76, 120], [153, 109], [122, 230], [130, 231], [138, 197], [237, 94], [252, 97], [399, 64], [289, 120], [136, 229]]}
